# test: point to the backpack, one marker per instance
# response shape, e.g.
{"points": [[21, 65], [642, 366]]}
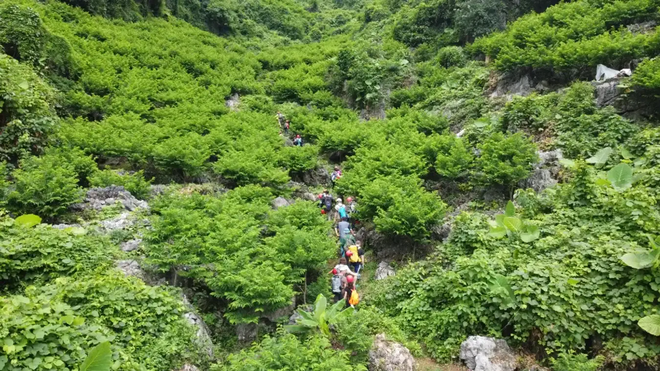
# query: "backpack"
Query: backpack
{"points": [[354, 299], [342, 212], [327, 201], [336, 284], [355, 258], [335, 175]]}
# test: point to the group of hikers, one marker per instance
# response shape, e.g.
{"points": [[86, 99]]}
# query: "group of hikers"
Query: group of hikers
{"points": [[351, 255], [285, 125]]}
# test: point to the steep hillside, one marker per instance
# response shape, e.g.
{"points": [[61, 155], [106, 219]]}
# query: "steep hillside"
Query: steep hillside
{"points": [[154, 192]]}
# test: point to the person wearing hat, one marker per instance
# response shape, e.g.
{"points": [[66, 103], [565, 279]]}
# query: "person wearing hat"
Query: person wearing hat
{"points": [[336, 285], [298, 141], [348, 289]]}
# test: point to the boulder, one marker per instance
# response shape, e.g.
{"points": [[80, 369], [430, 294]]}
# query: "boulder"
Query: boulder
{"points": [[233, 102], [131, 245], [384, 270], [386, 355], [545, 171], [482, 353], [317, 177], [509, 85], [280, 202], [607, 92], [98, 198], [282, 312], [121, 221], [188, 367], [130, 268], [246, 332], [203, 334]]}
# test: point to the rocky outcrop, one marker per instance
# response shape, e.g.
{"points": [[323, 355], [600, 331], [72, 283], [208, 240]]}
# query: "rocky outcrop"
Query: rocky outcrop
{"points": [[282, 312], [233, 102], [279, 202], [131, 245], [607, 92], [317, 177], [545, 171], [509, 85], [203, 336], [384, 270], [482, 353], [246, 332], [98, 198], [131, 268], [188, 367], [386, 355]]}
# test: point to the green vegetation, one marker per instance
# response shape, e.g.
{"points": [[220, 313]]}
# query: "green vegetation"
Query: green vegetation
{"points": [[176, 101]]}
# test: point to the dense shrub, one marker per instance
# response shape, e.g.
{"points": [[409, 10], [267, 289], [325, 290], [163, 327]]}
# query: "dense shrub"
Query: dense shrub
{"points": [[505, 160], [36, 255], [27, 116], [44, 186], [286, 351], [134, 183], [221, 243], [574, 35]]}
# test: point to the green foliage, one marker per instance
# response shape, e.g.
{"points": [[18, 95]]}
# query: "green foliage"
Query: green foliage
{"points": [[134, 183], [321, 318], [475, 18], [451, 56], [505, 160], [650, 324], [576, 362], [45, 187], [288, 352], [508, 224], [574, 35], [647, 75], [456, 162], [621, 176], [27, 116], [221, 244], [29, 255], [98, 359], [51, 326]]}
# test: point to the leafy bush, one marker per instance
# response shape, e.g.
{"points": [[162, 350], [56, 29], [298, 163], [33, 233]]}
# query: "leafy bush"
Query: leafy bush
{"points": [[27, 117], [456, 162], [221, 243], [398, 205], [134, 183], [45, 187], [451, 56], [505, 160], [576, 362], [36, 255], [573, 35], [287, 351]]}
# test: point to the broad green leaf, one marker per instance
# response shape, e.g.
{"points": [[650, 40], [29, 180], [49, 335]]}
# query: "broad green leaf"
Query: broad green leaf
{"points": [[28, 220], [601, 157], [510, 209], [625, 153], [77, 231], [308, 323], [497, 232], [530, 233], [500, 285], [98, 359], [641, 259], [319, 306], [621, 176], [499, 219], [296, 329], [567, 163], [513, 224], [573, 281], [650, 324]]}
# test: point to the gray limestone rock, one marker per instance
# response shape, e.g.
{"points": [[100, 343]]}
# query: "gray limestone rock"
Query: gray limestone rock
{"points": [[386, 355], [98, 198], [384, 270], [482, 353], [130, 268], [131, 245], [203, 333], [545, 171], [280, 202]]}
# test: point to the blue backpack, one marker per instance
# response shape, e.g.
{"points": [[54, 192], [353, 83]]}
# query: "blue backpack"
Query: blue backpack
{"points": [[342, 212]]}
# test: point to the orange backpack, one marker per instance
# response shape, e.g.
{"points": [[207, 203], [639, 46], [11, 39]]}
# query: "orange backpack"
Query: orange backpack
{"points": [[354, 299]]}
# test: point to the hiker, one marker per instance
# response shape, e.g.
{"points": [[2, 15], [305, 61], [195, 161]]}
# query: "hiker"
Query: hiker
{"points": [[336, 285], [287, 125], [336, 175], [350, 294], [355, 257], [351, 209], [325, 199], [343, 231], [298, 141], [280, 118], [340, 210]]}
